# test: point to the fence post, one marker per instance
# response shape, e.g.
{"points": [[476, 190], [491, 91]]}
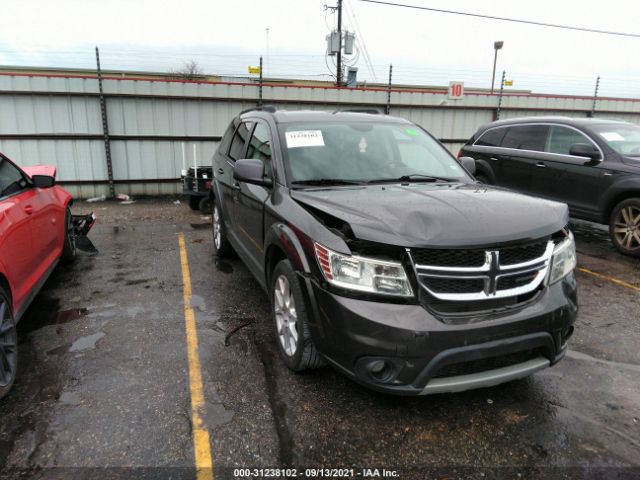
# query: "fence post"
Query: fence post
{"points": [[105, 128], [388, 109], [500, 97], [260, 85], [592, 113]]}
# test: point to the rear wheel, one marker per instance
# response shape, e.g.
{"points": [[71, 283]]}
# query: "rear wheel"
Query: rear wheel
{"points": [[483, 179], [194, 202], [69, 250], [624, 227], [291, 320], [8, 345], [205, 204]]}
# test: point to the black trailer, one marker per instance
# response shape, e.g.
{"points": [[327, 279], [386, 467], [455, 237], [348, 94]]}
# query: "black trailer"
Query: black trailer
{"points": [[197, 189]]}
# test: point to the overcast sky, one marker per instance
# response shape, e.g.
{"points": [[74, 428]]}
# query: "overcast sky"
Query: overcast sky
{"points": [[425, 47]]}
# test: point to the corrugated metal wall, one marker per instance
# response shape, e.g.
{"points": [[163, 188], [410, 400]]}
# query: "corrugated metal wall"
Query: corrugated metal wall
{"points": [[57, 120]]}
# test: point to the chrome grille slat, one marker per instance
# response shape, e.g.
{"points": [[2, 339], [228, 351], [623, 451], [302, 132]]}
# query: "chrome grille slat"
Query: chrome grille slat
{"points": [[518, 278]]}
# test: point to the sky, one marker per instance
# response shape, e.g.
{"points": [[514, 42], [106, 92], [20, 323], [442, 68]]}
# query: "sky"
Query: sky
{"points": [[425, 48]]}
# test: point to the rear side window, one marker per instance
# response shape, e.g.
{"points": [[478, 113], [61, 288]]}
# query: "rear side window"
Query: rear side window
{"points": [[561, 139], [526, 137], [491, 138], [226, 138], [236, 150]]}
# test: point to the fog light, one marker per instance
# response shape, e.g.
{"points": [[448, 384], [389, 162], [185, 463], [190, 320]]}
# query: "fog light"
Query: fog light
{"points": [[381, 370]]}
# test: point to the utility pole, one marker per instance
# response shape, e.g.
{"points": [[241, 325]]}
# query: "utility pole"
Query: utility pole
{"points": [[260, 86], [339, 57], [592, 113], [105, 128], [500, 97], [388, 109]]}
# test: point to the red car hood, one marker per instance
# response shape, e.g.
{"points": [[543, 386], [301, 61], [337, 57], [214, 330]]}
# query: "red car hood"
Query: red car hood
{"points": [[48, 170]]}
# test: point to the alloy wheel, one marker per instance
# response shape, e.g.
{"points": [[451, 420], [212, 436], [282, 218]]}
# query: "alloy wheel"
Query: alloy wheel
{"points": [[8, 345], [626, 228], [286, 317], [217, 233]]}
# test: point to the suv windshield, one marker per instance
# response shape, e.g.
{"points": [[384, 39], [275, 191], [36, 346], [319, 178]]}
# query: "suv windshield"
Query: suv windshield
{"points": [[623, 138], [353, 152]]}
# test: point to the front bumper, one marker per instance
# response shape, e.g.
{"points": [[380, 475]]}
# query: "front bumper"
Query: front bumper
{"points": [[406, 350]]}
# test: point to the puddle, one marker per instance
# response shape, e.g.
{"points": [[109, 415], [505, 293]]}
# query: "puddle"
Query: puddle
{"points": [[588, 358], [86, 343], [198, 302], [44, 312], [222, 266], [200, 226]]}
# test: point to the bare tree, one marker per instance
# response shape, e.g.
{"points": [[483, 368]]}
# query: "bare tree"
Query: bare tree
{"points": [[189, 71]]}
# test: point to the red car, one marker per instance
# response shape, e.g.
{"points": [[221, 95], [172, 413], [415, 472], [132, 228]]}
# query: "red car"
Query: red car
{"points": [[36, 232]]}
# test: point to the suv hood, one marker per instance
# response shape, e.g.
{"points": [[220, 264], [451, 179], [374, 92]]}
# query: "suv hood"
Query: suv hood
{"points": [[421, 214]]}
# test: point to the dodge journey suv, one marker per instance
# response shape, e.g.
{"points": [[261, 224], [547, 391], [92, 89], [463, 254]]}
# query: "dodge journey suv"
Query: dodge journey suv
{"points": [[383, 257]]}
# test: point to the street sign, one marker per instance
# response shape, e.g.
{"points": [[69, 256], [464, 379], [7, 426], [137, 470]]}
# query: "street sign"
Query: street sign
{"points": [[456, 90], [255, 70], [508, 83]]}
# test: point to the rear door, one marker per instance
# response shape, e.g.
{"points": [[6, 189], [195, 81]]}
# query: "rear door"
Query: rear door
{"points": [[567, 178], [250, 206], [487, 152], [522, 145], [18, 258]]}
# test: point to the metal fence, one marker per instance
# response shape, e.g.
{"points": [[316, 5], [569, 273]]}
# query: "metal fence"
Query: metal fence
{"points": [[57, 120]]}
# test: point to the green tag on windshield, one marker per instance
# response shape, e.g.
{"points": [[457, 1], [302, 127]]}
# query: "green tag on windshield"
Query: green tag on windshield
{"points": [[411, 132]]}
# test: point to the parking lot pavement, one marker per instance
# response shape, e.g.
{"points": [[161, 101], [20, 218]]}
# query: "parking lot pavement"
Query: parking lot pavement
{"points": [[105, 379]]}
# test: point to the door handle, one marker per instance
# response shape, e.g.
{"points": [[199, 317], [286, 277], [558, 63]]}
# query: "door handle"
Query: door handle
{"points": [[541, 165], [236, 186], [221, 171], [28, 209], [493, 159]]}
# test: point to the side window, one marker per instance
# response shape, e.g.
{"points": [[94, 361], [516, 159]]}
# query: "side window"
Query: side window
{"points": [[226, 138], [526, 137], [561, 139], [260, 146], [492, 138], [236, 150], [11, 180]]}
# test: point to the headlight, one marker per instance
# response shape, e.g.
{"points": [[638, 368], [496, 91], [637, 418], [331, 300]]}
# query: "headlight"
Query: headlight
{"points": [[563, 260], [363, 274]]}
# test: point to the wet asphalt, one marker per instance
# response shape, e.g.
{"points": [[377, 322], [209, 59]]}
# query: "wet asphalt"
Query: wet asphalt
{"points": [[103, 386]]}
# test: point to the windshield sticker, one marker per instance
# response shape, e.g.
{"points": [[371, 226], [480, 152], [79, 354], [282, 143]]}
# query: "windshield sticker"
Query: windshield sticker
{"points": [[363, 145], [612, 136], [411, 132], [305, 138]]}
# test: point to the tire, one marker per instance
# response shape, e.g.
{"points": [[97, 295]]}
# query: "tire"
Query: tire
{"points": [[8, 345], [69, 249], [205, 204], [624, 227], [221, 245], [194, 202], [290, 320], [483, 179]]}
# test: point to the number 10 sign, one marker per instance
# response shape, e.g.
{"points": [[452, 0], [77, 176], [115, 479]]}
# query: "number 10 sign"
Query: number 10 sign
{"points": [[456, 90]]}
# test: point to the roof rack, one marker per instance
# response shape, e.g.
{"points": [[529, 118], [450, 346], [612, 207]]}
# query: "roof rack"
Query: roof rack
{"points": [[262, 108], [371, 111]]}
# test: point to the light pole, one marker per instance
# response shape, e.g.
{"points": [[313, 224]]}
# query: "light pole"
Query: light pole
{"points": [[497, 46]]}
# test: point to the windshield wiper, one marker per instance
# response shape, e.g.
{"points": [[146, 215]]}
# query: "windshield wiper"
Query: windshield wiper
{"points": [[414, 177], [327, 181]]}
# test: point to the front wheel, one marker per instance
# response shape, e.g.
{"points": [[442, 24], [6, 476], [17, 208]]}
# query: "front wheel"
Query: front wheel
{"points": [[291, 320], [69, 250], [8, 345], [624, 227], [221, 245]]}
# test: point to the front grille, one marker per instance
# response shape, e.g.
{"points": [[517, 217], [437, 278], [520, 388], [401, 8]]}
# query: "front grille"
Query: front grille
{"points": [[449, 258], [485, 364], [516, 281], [522, 253], [454, 285]]}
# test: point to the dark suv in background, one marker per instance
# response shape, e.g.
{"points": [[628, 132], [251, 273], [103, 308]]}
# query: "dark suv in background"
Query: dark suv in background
{"points": [[593, 165], [383, 256]]}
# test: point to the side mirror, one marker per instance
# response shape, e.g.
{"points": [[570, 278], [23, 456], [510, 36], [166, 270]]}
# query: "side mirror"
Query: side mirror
{"points": [[469, 163], [250, 170], [43, 181], [584, 150]]}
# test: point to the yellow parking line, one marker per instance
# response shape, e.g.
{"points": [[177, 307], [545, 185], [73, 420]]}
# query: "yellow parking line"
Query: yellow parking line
{"points": [[201, 440], [610, 279]]}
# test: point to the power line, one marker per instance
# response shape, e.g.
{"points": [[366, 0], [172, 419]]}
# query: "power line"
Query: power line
{"points": [[505, 19]]}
